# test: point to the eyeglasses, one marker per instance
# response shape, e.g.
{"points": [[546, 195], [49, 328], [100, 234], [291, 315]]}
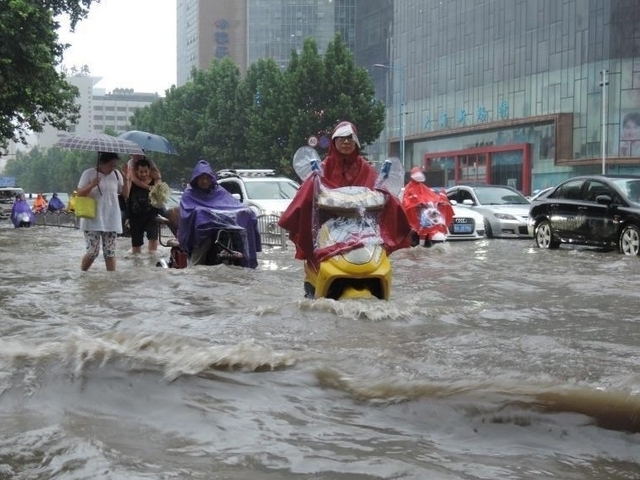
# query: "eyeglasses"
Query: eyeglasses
{"points": [[345, 139]]}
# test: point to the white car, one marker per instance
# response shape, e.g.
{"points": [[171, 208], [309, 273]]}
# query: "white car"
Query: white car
{"points": [[467, 224], [261, 190], [267, 194], [7, 197], [505, 210]]}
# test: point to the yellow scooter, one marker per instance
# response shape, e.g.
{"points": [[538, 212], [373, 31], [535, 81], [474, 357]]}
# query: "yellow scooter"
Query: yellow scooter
{"points": [[350, 259], [350, 217]]}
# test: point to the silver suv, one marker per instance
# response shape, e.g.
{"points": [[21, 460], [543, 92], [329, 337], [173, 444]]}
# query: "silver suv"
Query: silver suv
{"points": [[262, 190]]}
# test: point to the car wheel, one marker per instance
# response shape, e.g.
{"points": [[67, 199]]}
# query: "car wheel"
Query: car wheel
{"points": [[630, 240], [544, 236], [488, 232]]}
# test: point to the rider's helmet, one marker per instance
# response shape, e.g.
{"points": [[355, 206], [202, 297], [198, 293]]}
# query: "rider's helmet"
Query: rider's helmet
{"points": [[346, 129], [417, 174]]}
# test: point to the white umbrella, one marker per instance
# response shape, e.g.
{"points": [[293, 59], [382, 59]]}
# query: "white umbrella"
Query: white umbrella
{"points": [[99, 142]]}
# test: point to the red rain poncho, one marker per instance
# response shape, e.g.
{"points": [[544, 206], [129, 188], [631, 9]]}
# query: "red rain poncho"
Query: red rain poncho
{"points": [[417, 194], [339, 171]]}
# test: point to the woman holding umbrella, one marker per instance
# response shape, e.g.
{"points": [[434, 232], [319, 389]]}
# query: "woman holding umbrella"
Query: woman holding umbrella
{"points": [[103, 183]]}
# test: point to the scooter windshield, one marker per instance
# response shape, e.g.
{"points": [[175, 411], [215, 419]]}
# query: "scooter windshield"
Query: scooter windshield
{"points": [[227, 219], [347, 218]]}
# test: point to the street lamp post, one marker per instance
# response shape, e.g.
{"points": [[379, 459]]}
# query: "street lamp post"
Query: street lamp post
{"points": [[604, 74], [400, 71]]}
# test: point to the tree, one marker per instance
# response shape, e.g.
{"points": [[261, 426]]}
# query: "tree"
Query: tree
{"points": [[305, 89], [351, 93], [322, 91], [201, 118], [222, 138], [259, 121], [49, 170], [32, 92], [265, 115]]}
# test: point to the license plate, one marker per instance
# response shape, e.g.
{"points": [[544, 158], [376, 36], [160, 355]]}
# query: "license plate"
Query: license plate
{"points": [[462, 228]]}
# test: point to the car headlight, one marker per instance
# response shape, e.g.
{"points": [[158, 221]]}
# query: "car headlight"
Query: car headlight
{"points": [[504, 216]]}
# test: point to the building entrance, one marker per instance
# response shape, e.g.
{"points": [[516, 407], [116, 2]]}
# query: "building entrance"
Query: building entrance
{"points": [[499, 165]]}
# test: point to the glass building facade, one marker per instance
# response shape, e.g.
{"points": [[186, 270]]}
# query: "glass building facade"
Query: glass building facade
{"points": [[510, 91], [278, 27], [248, 30]]}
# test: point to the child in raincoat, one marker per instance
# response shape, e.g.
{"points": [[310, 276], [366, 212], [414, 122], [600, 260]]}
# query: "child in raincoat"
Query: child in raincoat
{"points": [[40, 204]]}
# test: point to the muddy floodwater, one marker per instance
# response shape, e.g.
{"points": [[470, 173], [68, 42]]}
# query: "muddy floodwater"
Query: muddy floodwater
{"points": [[492, 360]]}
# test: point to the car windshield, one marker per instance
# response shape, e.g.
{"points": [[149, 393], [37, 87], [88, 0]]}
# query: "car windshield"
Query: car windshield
{"points": [[499, 196], [630, 187], [271, 189]]}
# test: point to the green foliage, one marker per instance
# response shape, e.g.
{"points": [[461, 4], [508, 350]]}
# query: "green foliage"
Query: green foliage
{"points": [[258, 121], [32, 92], [352, 95], [306, 88], [201, 119], [325, 91], [265, 115], [221, 136], [49, 170]]}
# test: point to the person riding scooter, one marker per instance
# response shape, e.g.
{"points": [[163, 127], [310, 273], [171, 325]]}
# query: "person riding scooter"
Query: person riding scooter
{"points": [[429, 213], [205, 209], [55, 204], [342, 167], [21, 213]]}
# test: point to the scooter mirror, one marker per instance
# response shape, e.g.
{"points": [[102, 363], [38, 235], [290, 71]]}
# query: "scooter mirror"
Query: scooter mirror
{"points": [[391, 175], [305, 161]]}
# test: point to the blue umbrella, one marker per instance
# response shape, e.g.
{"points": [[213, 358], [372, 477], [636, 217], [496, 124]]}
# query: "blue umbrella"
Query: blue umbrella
{"points": [[150, 141]]}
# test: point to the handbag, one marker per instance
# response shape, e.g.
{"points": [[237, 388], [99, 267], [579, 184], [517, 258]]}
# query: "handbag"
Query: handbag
{"points": [[85, 207]]}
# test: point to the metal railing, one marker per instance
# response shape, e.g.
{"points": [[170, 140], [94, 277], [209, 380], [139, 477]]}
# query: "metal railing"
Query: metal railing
{"points": [[270, 233], [57, 219]]}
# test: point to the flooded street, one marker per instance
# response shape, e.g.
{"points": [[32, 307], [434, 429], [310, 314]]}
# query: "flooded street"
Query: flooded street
{"points": [[492, 360]]}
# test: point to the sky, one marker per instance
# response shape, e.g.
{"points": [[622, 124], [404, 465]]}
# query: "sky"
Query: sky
{"points": [[129, 43]]}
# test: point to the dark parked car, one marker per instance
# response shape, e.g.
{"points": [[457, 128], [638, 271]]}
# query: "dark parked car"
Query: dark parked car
{"points": [[540, 194], [596, 210]]}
